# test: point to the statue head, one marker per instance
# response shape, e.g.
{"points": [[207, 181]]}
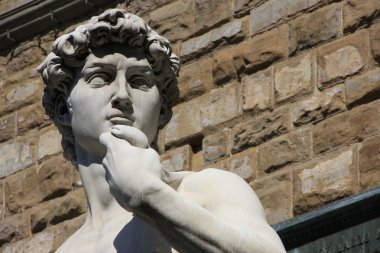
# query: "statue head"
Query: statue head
{"points": [[113, 70]]}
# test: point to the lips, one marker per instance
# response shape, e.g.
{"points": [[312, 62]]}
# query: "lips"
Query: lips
{"points": [[121, 119]]}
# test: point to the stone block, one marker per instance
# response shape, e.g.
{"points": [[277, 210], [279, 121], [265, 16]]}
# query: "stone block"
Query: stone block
{"points": [[261, 51], [185, 123], [318, 107], [14, 228], [55, 177], [21, 191], [258, 91], [364, 88], [369, 163], [41, 243], [195, 79], [285, 150], [197, 163], [65, 229], [267, 15], [359, 13], [221, 105], [274, 192], [31, 117], [375, 41], [178, 159], [345, 128], [17, 155], [294, 78], [49, 143], [296, 6], [314, 28], [242, 7], [216, 146], [199, 45], [17, 95], [205, 11], [25, 56], [342, 58], [174, 21], [58, 210], [223, 68], [260, 129], [324, 180], [244, 164], [142, 7], [7, 127]]}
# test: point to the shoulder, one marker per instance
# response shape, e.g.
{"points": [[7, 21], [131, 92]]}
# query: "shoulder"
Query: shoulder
{"points": [[222, 189]]}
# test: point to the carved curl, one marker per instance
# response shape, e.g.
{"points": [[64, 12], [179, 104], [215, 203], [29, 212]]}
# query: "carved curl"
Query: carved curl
{"points": [[70, 52]]}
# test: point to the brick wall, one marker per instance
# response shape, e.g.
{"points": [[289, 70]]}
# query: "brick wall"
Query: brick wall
{"points": [[283, 93]]}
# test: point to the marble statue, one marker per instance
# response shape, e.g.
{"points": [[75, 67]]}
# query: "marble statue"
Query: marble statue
{"points": [[109, 88]]}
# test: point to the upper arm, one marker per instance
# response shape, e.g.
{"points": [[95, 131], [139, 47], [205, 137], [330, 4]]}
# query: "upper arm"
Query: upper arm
{"points": [[231, 199]]}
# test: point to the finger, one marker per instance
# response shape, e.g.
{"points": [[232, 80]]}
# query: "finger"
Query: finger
{"points": [[131, 134], [105, 139]]}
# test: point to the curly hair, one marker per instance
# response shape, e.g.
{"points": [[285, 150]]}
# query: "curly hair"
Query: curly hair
{"points": [[71, 50]]}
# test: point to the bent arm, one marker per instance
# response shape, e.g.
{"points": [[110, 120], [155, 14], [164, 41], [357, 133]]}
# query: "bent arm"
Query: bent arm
{"points": [[232, 221]]}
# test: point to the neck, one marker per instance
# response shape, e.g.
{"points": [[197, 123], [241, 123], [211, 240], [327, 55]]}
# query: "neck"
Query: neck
{"points": [[101, 204]]}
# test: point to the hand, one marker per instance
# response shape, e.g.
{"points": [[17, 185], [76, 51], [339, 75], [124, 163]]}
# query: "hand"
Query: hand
{"points": [[133, 170]]}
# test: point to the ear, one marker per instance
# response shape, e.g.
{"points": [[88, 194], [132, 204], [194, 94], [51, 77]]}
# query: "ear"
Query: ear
{"points": [[62, 110]]}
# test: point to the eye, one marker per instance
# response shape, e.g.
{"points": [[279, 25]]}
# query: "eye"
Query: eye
{"points": [[140, 82], [99, 79]]}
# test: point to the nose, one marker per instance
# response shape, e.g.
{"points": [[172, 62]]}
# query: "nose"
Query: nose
{"points": [[122, 95]]}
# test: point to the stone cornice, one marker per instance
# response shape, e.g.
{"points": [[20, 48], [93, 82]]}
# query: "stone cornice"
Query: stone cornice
{"points": [[39, 16]]}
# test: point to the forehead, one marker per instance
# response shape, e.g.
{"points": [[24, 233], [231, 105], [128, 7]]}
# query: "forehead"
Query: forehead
{"points": [[117, 54]]}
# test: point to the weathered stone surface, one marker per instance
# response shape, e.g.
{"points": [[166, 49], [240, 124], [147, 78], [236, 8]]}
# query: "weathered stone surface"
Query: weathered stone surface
{"points": [[142, 7], [260, 129], [274, 192], [216, 146], [345, 128], [197, 163], [206, 10], [325, 179], [174, 21], [319, 107], [41, 243], [55, 177], [363, 88], [221, 105], [294, 78], [285, 150], [49, 143], [31, 117], [16, 95], [267, 15], [312, 29], [21, 190], [295, 6], [257, 91], [244, 164], [262, 50], [369, 163], [185, 123], [195, 79], [57, 211], [199, 45], [242, 7], [14, 228], [358, 13], [178, 159], [65, 229], [223, 69], [7, 127], [25, 56], [17, 155], [375, 41]]}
